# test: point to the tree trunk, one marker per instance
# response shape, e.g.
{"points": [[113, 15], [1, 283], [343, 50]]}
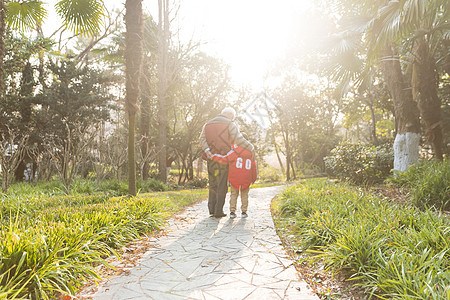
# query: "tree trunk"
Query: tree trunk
{"points": [[4, 181], [190, 167], [145, 127], [406, 144], [133, 66], [26, 109], [33, 170], [2, 46], [19, 173], [374, 122], [278, 156], [131, 155], [182, 167], [163, 30], [292, 168], [425, 93], [199, 167], [288, 155]]}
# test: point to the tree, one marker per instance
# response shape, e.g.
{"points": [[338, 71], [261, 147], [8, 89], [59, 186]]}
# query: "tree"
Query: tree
{"points": [[422, 26], [12, 149], [81, 17], [2, 45], [305, 119], [163, 49], [389, 30], [149, 93], [73, 104], [19, 102], [368, 112], [355, 56], [202, 87], [133, 66]]}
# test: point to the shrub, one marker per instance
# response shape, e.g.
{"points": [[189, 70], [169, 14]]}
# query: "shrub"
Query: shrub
{"points": [[428, 182], [114, 187], [269, 174], [360, 164], [151, 185], [197, 183]]}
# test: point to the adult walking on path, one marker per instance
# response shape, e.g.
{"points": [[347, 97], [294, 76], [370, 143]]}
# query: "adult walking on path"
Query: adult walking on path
{"points": [[217, 137], [206, 258]]}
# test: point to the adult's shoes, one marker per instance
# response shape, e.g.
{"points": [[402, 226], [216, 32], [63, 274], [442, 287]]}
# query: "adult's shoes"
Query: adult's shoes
{"points": [[232, 215], [244, 215], [220, 216]]}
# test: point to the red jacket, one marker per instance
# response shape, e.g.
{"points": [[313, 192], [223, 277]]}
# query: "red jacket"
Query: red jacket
{"points": [[242, 172], [217, 135]]}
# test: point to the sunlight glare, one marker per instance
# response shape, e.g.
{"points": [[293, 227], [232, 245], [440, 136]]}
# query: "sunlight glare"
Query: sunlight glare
{"points": [[248, 35]]}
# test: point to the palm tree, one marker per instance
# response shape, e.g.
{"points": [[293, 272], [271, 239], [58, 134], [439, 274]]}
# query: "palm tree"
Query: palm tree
{"points": [[354, 63], [81, 17], [421, 26], [386, 29], [133, 65]]}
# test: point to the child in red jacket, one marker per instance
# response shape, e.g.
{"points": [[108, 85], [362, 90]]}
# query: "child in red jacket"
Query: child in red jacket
{"points": [[241, 175]]}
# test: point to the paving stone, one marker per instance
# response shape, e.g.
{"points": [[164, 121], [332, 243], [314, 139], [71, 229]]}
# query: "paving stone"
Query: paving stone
{"points": [[202, 258], [262, 280], [264, 293], [287, 273], [150, 284], [233, 290], [163, 296]]}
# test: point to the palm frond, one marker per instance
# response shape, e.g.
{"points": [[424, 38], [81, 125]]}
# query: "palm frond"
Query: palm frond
{"points": [[25, 15], [81, 16], [357, 24], [414, 10], [386, 26], [345, 41]]}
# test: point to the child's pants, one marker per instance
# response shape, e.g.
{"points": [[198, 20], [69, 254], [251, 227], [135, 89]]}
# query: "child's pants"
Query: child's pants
{"points": [[244, 199]]}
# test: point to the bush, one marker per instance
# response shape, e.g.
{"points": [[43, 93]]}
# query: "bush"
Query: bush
{"points": [[428, 182], [360, 164], [197, 183], [151, 185], [269, 174], [114, 187]]}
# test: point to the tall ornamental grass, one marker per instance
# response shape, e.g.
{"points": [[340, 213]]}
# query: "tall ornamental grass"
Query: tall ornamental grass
{"points": [[391, 251], [50, 245]]}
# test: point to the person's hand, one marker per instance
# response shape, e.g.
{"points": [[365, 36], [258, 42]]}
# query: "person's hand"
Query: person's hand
{"points": [[209, 155]]}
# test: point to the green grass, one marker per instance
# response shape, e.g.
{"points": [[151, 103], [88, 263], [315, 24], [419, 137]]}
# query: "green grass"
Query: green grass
{"points": [[391, 251], [428, 183], [85, 186], [50, 244]]}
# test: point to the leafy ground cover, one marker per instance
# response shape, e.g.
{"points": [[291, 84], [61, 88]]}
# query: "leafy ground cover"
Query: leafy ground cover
{"points": [[110, 187], [350, 243], [51, 244], [428, 183]]}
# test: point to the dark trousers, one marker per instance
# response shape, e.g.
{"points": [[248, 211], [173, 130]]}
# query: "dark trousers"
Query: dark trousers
{"points": [[218, 187]]}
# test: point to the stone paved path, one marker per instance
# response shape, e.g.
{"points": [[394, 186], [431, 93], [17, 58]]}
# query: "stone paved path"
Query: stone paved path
{"points": [[207, 258]]}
